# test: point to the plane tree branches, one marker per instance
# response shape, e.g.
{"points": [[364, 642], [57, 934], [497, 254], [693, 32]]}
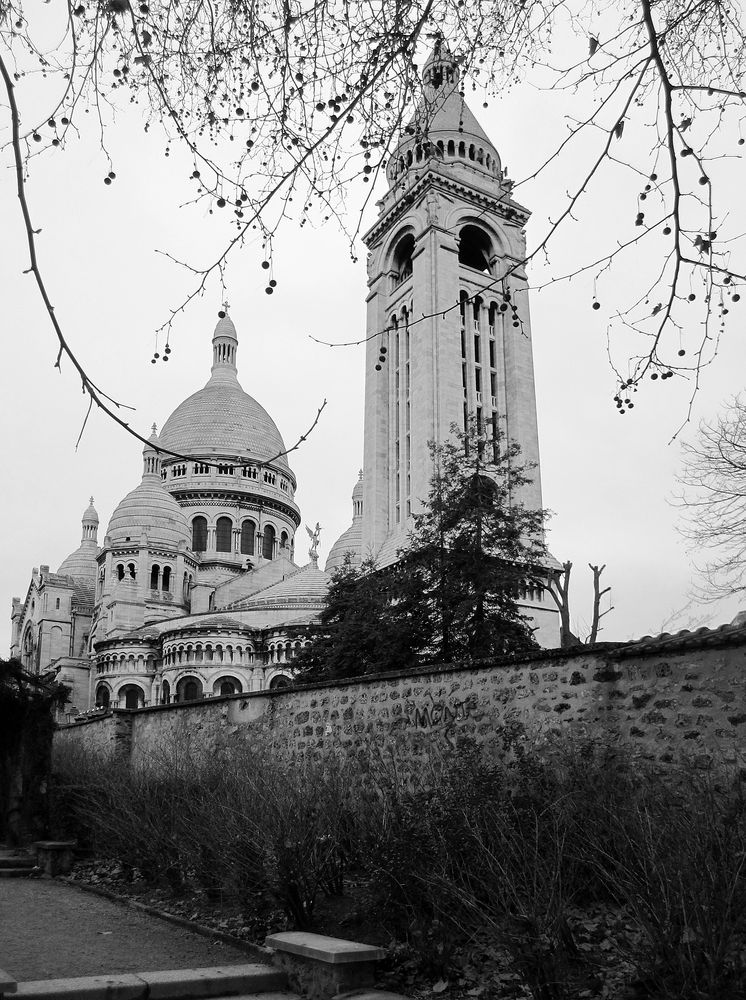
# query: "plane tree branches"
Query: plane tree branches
{"points": [[289, 109], [713, 499]]}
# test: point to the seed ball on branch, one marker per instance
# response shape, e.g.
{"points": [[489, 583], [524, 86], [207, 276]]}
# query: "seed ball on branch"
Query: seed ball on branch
{"points": [[735, 297]]}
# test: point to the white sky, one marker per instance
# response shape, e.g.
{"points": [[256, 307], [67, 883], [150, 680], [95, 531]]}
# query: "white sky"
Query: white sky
{"points": [[607, 478]]}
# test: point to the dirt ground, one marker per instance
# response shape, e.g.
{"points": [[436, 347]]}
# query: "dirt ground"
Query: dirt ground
{"points": [[49, 930]]}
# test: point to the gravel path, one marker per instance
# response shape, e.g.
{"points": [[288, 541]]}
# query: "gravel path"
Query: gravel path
{"points": [[49, 930]]}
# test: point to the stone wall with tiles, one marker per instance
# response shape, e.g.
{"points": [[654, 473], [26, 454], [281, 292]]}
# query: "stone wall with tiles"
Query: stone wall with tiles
{"points": [[685, 703]]}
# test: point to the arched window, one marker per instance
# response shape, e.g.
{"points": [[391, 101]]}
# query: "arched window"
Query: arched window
{"points": [[165, 693], [189, 689], [280, 681], [268, 542], [227, 685], [199, 534], [102, 696], [132, 571], [475, 249], [248, 535], [284, 540], [132, 695], [154, 574], [166, 581], [120, 571], [223, 534], [403, 258]]}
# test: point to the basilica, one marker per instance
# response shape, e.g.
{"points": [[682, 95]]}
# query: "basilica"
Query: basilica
{"points": [[194, 590]]}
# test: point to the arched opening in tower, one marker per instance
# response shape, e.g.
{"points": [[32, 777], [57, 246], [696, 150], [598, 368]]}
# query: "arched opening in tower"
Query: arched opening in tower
{"points": [[403, 257], [475, 249]]}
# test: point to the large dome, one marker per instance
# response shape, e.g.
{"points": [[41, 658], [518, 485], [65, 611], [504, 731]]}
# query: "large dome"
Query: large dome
{"points": [[152, 510], [222, 420]]}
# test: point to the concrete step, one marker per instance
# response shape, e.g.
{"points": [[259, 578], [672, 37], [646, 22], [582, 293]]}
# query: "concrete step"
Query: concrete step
{"points": [[23, 872], [258, 981], [16, 860]]}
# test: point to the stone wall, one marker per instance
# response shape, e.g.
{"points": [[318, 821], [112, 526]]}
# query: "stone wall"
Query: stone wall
{"points": [[685, 700]]}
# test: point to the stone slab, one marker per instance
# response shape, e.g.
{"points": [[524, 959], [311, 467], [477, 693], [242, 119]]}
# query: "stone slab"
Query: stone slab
{"points": [[126, 987], [253, 980], [334, 951], [8, 984], [225, 979]]}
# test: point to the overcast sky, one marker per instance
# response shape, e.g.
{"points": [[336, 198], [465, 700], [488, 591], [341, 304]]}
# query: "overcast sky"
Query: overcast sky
{"points": [[608, 479]]}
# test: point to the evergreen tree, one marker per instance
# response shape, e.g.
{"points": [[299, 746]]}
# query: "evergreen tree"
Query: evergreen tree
{"points": [[361, 631], [473, 548], [453, 593]]}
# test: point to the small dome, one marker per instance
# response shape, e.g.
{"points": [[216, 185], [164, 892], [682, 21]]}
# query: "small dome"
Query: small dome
{"points": [[357, 491], [308, 586], [152, 510], [149, 510], [81, 564], [349, 541], [90, 514]]}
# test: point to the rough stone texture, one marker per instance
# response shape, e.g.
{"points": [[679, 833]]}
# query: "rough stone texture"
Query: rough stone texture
{"points": [[322, 980], [667, 703]]}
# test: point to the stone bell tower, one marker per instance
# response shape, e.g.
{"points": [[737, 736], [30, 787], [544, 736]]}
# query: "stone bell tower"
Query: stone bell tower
{"points": [[448, 316]]}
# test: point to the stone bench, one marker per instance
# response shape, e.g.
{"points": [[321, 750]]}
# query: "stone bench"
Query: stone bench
{"points": [[55, 857], [320, 967], [8, 984]]}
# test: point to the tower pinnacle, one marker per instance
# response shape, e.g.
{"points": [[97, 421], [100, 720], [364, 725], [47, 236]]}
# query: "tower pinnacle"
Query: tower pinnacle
{"points": [[224, 347]]}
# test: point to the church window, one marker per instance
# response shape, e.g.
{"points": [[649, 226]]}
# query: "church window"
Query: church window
{"points": [[403, 258], [201, 469], [475, 249], [102, 696], [154, 576], [188, 689], [492, 355], [248, 532], [462, 150], [57, 604], [132, 571], [120, 571], [268, 542], [225, 470], [132, 696], [284, 540], [451, 148], [269, 477], [278, 682], [223, 534], [166, 581], [471, 152], [165, 693], [199, 534]]}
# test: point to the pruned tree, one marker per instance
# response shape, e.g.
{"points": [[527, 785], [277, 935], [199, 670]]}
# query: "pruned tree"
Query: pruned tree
{"points": [[283, 107], [713, 500], [558, 585]]}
